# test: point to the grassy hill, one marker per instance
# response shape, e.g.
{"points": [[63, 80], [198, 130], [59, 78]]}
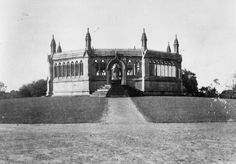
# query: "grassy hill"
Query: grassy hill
{"points": [[186, 109], [76, 109]]}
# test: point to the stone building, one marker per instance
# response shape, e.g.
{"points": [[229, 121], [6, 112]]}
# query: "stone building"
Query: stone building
{"points": [[82, 72]]}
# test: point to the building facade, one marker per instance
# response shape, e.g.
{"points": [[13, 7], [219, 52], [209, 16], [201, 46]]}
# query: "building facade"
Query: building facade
{"points": [[81, 72]]}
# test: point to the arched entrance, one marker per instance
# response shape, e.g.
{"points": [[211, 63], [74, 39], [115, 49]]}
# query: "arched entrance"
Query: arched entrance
{"points": [[116, 72]]}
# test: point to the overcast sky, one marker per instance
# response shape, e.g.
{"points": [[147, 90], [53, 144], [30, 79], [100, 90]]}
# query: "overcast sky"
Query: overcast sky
{"points": [[206, 31]]}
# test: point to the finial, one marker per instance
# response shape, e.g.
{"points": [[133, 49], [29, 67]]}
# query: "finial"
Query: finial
{"points": [[87, 29], [59, 43], [52, 36], [176, 36], [143, 30]]}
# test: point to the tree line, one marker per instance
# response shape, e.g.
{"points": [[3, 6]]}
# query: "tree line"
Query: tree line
{"points": [[39, 88], [35, 89]]}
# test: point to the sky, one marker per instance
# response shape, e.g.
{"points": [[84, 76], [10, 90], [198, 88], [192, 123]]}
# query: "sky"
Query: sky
{"points": [[206, 31]]}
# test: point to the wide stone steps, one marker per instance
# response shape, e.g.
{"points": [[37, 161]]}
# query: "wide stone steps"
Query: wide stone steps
{"points": [[102, 91], [117, 90], [123, 91]]}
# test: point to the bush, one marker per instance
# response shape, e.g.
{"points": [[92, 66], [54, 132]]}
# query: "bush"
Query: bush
{"points": [[34, 89]]}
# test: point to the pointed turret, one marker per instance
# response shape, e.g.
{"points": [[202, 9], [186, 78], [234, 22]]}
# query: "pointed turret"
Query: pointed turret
{"points": [[88, 40], [176, 45], [144, 40], [59, 50], [53, 45], [168, 48]]}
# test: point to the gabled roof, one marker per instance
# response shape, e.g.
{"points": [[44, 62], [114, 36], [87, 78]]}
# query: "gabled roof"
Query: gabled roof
{"points": [[112, 52], [121, 52], [69, 54], [162, 55]]}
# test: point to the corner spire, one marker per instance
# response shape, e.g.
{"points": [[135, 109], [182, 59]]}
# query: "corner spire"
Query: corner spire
{"points": [[176, 45], [88, 40], [53, 45], [168, 48], [59, 50], [144, 40]]}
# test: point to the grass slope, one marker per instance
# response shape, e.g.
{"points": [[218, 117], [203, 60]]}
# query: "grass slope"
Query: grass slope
{"points": [[76, 109], [186, 109]]}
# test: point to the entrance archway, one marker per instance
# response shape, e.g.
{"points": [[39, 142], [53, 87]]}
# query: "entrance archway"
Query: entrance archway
{"points": [[116, 72]]}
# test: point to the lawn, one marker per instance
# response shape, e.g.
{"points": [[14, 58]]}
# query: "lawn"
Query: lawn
{"points": [[186, 109], [118, 143], [75, 109]]}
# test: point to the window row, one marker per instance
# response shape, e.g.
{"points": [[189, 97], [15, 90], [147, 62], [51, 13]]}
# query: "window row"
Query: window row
{"points": [[134, 68], [68, 69], [162, 70], [100, 68]]}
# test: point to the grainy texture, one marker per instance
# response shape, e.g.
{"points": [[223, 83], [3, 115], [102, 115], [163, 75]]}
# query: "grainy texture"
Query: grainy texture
{"points": [[119, 138], [76, 109], [186, 109], [119, 143]]}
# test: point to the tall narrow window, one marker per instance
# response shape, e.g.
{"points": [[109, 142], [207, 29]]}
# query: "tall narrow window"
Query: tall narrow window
{"points": [[173, 71], [155, 69], [151, 68], [68, 69], [158, 70], [55, 70], [81, 68], [72, 69], [139, 71], [76, 68], [179, 73], [135, 68], [59, 70], [162, 70], [64, 69], [169, 70], [96, 67], [166, 71], [103, 68], [129, 68]]}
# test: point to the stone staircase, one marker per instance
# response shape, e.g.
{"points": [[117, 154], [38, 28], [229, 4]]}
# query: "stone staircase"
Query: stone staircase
{"points": [[102, 91], [118, 90]]}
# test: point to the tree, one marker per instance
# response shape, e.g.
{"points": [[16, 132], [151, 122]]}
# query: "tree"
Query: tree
{"points": [[190, 82], [3, 87], [208, 92], [34, 89]]}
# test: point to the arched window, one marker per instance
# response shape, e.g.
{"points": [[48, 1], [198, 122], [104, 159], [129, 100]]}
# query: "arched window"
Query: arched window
{"points": [[135, 68], [151, 68], [72, 66], [68, 69], [162, 70], [169, 70], [139, 70], [103, 68], [166, 70], [64, 70], [59, 70], [81, 68], [155, 68], [158, 69], [129, 68], [179, 73], [76, 68], [96, 68], [55, 70], [173, 71]]}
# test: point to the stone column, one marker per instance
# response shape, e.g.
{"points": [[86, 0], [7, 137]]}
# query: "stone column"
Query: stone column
{"points": [[123, 82], [50, 77], [108, 73]]}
